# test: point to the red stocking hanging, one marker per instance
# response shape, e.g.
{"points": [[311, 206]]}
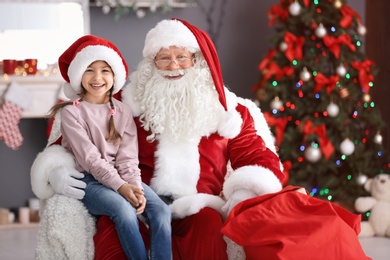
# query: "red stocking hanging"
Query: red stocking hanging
{"points": [[15, 100]]}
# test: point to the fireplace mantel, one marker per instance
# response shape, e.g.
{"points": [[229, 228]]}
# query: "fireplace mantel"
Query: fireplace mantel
{"points": [[45, 92]]}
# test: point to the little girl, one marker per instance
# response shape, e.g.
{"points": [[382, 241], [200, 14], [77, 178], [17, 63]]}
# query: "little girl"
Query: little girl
{"points": [[99, 131]]}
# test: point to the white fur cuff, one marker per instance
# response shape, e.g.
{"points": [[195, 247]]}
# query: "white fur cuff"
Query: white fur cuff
{"points": [[50, 158], [257, 179], [192, 204]]}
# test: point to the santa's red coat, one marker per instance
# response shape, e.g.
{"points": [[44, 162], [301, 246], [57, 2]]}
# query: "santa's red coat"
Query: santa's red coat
{"points": [[197, 219]]}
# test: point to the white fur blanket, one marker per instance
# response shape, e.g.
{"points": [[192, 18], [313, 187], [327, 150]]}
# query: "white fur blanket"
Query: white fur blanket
{"points": [[66, 230]]}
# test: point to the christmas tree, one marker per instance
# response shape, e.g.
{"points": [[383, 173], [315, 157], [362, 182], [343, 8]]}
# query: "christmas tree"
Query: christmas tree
{"points": [[314, 89]]}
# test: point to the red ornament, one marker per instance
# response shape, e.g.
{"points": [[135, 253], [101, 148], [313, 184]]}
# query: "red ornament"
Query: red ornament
{"points": [[344, 92]]}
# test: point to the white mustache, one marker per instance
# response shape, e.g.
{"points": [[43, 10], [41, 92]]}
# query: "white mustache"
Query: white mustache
{"points": [[172, 73]]}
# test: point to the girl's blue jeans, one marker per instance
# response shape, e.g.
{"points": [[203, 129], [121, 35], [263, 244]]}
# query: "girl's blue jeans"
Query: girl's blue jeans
{"points": [[100, 200]]}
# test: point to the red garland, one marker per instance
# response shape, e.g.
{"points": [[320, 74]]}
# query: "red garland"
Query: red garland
{"points": [[322, 81], [320, 130]]}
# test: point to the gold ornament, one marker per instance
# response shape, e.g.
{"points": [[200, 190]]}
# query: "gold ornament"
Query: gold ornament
{"points": [[338, 4], [366, 98]]}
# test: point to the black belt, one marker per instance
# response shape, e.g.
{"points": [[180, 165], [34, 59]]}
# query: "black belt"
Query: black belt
{"points": [[167, 199]]}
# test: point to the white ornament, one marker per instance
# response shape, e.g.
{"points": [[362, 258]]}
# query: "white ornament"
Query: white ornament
{"points": [[283, 46], [305, 74], [341, 70], [140, 13], [276, 103], [361, 180], [320, 31], [294, 8], [106, 9], [378, 138], [313, 154], [347, 147], [361, 29], [332, 109]]}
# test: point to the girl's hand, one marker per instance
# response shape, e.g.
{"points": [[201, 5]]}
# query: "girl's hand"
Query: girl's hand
{"points": [[132, 194], [142, 204]]}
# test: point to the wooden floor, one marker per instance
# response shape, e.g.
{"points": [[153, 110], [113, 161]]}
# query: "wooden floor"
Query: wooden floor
{"points": [[18, 243]]}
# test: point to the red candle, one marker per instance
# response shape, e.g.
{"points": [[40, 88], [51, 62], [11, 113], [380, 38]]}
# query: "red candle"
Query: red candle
{"points": [[31, 66], [9, 66]]}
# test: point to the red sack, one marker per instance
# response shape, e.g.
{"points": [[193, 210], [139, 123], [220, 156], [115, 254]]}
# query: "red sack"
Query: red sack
{"points": [[291, 225]]}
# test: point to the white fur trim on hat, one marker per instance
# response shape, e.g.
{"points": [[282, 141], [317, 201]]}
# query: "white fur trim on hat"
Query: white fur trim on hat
{"points": [[94, 53], [169, 33]]}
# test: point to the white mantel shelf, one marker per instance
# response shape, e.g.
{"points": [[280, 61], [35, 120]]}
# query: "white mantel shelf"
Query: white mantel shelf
{"points": [[45, 92]]}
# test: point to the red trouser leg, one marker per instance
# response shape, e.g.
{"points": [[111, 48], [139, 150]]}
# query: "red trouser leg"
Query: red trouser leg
{"points": [[195, 237], [199, 237]]}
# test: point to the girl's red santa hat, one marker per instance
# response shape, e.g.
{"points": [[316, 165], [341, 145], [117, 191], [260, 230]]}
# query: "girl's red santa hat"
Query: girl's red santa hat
{"points": [[84, 51], [179, 33]]}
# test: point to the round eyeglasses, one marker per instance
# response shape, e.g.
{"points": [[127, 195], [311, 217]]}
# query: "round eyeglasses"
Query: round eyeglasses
{"points": [[182, 61]]}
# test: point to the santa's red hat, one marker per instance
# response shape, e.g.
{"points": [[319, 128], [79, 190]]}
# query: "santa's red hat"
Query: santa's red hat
{"points": [[179, 33], [87, 49]]}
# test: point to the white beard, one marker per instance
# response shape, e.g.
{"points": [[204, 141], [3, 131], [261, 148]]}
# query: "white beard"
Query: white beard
{"points": [[182, 110]]}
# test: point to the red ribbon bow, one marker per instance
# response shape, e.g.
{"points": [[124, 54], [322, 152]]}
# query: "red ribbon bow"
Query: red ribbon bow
{"points": [[334, 43], [279, 124], [294, 46], [276, 11], [274, 69], [325, 145], [365, 76], [348, 15], [264, 63], [322, 81]]}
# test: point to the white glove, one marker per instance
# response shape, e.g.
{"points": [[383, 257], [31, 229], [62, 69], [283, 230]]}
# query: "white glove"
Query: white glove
{"points": [[65, 181], [237, 197]]}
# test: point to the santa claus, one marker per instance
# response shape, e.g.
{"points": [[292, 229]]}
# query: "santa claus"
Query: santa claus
{"points": [[200, 147]]}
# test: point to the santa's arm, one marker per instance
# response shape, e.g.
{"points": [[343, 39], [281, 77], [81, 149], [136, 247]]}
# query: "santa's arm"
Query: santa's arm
{"points": [[53, 170], [256, 168]]}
